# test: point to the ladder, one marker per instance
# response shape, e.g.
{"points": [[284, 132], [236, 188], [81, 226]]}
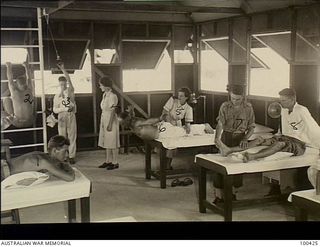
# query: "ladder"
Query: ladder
{"points": [[43, 128]]}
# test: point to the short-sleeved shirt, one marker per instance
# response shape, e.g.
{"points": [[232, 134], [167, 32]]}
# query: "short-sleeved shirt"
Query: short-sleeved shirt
{"points": [[236, 120], [300, 125], [178, 112]]}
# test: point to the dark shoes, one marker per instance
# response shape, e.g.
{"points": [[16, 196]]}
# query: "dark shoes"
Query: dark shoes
{"points": [[185, 182], [109, 166], [112, 166], [72, 161], [218, 200], [274, 190], [105, 164]]}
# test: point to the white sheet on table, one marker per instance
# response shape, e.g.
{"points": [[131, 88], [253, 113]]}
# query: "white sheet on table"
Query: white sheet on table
{"points": [[272, 163], [52, 190], [309, 194], [24, 179], [188, 141]]}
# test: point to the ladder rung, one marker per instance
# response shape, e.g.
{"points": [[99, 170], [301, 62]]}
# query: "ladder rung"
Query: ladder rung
{"points": [[21, 130], [27, 145], [14, 80], [19, 29], [39, 112], [34, 62], [19, 46]]}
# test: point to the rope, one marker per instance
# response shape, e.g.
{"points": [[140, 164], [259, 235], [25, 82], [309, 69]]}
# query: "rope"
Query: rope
{"points": [[52, 38]]}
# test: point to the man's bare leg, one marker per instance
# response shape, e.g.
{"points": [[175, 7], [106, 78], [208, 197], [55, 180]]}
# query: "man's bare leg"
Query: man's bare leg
{"points": [[225, 150], [276, 147]]}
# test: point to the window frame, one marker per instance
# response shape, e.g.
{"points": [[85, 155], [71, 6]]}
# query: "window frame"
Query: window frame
{"points": [[265, 33], [169, 42], [199, 74]]}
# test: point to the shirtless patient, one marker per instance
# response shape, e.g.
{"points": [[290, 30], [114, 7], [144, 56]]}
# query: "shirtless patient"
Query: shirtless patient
{"points": [[154, 128], [277, 143], [52, 162], [18, 109]]}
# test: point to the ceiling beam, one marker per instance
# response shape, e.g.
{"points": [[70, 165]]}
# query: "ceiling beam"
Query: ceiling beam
{"points": [[61, 5], [30, 4], [142, 7], [66, 14]]}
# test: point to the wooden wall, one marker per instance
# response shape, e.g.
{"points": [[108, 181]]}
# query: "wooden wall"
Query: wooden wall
{"points": [[305, 75]]}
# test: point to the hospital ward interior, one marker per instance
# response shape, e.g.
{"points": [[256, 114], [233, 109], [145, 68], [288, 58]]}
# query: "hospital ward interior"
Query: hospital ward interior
{"points": [[160, 111]]}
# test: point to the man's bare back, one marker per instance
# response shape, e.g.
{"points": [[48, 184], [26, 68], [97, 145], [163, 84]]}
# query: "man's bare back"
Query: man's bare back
{"points": [[39, 161]]}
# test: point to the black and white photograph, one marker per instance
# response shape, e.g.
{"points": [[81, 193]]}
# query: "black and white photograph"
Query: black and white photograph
{"points": [[150, 115]]}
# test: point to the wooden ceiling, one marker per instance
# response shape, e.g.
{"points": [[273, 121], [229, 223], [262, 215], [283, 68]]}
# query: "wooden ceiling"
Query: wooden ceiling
{"points": [[181, 11]]}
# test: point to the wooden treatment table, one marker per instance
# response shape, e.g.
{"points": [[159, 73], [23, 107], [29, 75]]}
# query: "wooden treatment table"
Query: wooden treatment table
{"points": [[166, 144], [51, 191], [305, 202], [228, 167]]}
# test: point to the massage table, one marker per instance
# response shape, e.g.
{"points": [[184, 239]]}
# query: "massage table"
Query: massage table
{"points": [[166, 144], [228, 167], [51, 191], [305, 201]]}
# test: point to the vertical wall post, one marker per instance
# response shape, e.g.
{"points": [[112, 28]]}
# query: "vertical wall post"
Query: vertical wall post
{"points": [[93, 84], [43, 101]]}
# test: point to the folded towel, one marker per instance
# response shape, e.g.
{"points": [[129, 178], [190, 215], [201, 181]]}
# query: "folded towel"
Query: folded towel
{"points": [[24, 179]]}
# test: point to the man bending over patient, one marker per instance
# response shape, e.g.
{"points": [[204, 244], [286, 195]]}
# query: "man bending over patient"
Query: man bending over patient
{"points": [[154, 128], [52, 162], [275, 144]]}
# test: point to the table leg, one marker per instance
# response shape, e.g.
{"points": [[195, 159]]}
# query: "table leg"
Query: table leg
{"points": [[85, 209], [202, 189], [16, 216], [72, 211], [148, 160], [300, 214], [163, 165], [228, 179]]}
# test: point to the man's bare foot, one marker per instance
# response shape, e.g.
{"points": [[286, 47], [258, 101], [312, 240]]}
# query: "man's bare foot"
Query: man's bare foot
{"points": [[224, 149], [246, 157]]}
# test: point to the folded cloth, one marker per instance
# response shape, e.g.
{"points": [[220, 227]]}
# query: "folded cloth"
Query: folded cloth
{"points": [[51, 120], [24, 179]]}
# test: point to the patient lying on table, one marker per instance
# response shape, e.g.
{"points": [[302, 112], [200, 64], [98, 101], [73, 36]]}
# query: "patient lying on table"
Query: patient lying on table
{"points": [[155, 128], [277, 143], [52, 162]]}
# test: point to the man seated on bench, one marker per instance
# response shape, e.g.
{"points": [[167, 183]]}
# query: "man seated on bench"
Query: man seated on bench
{"points": [[52, 162], [277, 143], [155, 128]]}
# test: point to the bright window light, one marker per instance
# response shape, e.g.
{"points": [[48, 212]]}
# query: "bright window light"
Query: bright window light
{"points": [[214, 70], [183, 56], [81, 79], [13, 55], [104, 56], [268, 81], [146, 66], [149, 79]]}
